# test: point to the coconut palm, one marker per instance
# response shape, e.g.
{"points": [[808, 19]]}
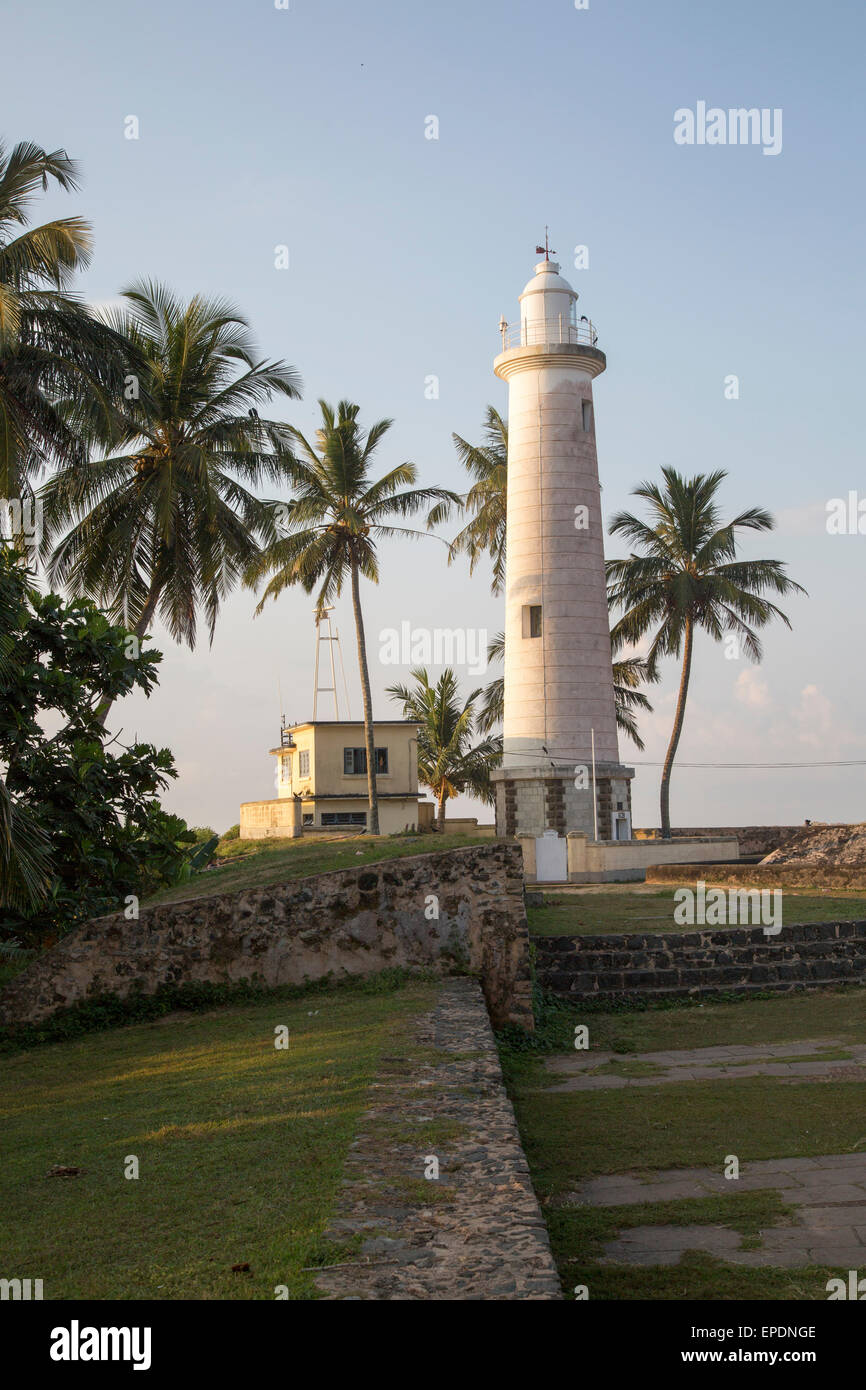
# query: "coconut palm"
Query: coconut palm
{"points": [[448, 762], [487, 464], [53, 352], [684, 574], [628, 674], [330, 529], [163, 522]]}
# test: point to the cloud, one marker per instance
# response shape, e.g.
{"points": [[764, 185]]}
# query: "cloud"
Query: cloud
{"points": [[808, 520], [749, 689], [757, 725]]}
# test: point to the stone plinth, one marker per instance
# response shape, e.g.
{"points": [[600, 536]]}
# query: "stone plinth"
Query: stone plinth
{"points": [[533, 800]]}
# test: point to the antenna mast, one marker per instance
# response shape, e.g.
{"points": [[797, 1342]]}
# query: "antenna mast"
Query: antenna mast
{"points": [[323, 616]]}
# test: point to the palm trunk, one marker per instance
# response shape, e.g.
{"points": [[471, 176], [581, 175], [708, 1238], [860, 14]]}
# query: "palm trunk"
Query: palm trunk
{"points": [[440, 815], [139, 631], [677, 730], [373, 826]]}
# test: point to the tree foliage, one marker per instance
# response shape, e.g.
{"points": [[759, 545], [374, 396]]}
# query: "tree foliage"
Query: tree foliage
{"points": [[161, 519], [338, 513], [82, 827], [449, 761], [58, 363], [684, 573]]}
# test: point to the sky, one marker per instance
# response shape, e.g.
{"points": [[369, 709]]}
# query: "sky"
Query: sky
{"points": [[306, 127]]}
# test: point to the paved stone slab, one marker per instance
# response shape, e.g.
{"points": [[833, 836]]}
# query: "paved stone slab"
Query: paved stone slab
{"points": [[829, 1228], [809, 1181], [581, 1071], [665, 1245]]}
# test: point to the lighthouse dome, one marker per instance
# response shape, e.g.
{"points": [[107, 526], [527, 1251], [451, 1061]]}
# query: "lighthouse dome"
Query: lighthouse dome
{"points": [[547, 280], [547, 307]]}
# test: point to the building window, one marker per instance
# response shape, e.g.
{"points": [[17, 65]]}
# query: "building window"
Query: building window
{"points": [[285, 769], [587, 415], [344, 818], [308, 818], [355, 761], [532, 620], [304, 763]]}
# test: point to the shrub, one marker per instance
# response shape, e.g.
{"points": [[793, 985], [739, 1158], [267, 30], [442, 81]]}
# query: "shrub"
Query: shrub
{"points": [[88, 802]]}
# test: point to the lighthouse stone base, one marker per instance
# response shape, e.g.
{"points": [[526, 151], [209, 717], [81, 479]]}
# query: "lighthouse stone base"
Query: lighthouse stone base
{"points": [[534, 800], [549, 811]]}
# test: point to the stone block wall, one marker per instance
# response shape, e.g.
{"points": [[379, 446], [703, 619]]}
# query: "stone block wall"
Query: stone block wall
{"points": [[352, 922], [752, 839], [792, 875], [707, 961]]}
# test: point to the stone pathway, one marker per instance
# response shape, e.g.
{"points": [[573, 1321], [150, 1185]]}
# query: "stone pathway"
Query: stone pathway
{"points": [[828, 1228], [828, 1192], [713, 1064], [477, 1231]]}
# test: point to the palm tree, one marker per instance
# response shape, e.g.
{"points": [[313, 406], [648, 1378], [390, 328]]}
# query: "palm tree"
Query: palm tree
{"points": [[164, 523], [686, 575], [448, 763], [487, 464], [628, 675], [52, 350], [331, 527]]}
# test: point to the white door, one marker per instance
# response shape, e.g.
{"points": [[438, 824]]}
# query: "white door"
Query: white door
{"points": [[551, 858]]}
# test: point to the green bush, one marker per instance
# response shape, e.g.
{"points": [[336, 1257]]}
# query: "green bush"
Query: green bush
{"points": [[202, 833], [87, 801]]}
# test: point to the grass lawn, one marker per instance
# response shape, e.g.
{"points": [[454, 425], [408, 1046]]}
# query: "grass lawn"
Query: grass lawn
{"points": [[256, 863], [571, 1136], [240, 1146], [646, 908]]}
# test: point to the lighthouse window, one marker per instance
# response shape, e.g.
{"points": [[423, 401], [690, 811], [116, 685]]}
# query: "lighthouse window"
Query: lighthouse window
{"points": [[587, 415], [304, 763], [532, 620]]}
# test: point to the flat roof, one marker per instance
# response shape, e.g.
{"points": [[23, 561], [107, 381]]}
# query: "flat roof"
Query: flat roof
{"points": [[355, 723]]}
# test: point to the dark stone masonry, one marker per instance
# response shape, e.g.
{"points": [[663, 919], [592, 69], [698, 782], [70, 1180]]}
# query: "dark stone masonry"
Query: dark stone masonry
{"points": [[476, 1231], [684, 963], [460, 910]]}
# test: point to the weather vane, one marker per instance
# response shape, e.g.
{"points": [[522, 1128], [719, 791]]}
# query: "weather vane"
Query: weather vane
{"points": [[546, 248]]}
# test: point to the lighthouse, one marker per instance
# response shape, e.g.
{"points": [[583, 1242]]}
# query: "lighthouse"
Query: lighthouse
{"points": [[560, 770]]}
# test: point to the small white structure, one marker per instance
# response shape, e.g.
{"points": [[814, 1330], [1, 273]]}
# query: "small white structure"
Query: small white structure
{"points": [[561, 769]]}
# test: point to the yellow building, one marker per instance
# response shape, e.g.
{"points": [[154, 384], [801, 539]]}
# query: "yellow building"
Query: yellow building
{"points": [[322, 780]]}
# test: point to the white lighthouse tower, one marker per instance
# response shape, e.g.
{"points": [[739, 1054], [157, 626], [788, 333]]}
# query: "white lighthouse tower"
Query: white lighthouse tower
{"points": [[561, 771]]}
